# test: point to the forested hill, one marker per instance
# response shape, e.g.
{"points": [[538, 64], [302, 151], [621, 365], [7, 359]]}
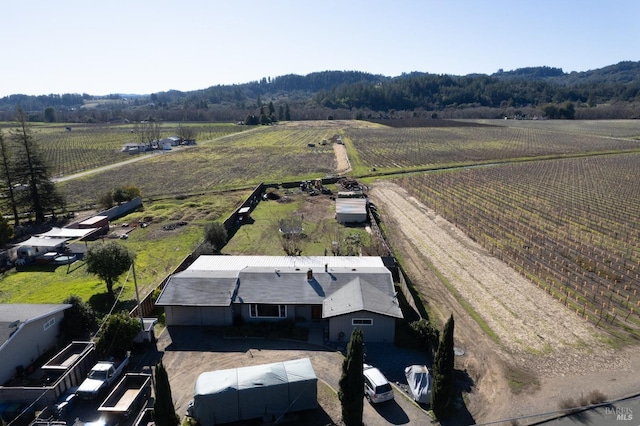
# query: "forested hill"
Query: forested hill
{"points": [[354, 94]]}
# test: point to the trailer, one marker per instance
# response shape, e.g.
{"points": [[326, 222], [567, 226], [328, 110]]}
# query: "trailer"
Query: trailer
{"points": [[128, 396]]}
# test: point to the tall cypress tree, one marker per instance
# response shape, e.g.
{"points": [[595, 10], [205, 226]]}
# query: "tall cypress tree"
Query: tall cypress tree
{"points": [[164, 412], [351, 383], [443, 363]]}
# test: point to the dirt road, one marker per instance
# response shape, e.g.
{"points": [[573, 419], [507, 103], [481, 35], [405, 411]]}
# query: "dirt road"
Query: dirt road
{"points": [[537, 343]]}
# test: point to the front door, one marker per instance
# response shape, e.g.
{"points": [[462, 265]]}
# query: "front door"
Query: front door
{"points": [[316, 312]]}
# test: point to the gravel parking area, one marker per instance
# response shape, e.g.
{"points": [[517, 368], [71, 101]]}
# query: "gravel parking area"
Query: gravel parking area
{"points": [[187, 352]]}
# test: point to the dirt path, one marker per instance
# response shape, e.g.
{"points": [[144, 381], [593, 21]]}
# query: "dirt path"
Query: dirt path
{"points": [[344, 166], [537, 342]]}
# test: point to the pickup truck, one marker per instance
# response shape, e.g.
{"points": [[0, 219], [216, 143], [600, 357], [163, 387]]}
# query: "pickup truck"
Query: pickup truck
{"points": [[101, 377], [127, 397]]}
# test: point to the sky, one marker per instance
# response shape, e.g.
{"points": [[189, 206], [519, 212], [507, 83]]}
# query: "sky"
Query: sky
{"points": [[149, 46]]}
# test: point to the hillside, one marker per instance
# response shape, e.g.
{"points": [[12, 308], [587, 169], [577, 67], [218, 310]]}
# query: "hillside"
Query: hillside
{"points": [[354, 94]]}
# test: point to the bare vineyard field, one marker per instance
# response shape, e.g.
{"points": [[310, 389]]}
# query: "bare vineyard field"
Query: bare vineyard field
{"points": [[571, 226], [268, 154], [607, 128], [388, 149], [89, 146]]}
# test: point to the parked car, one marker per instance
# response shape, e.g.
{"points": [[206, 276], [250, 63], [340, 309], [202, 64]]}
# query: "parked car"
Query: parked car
{"points": [[376, 387], [419, 381]]}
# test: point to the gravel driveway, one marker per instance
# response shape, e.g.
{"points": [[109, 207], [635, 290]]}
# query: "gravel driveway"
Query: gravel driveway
{"points": [[189, 351]]}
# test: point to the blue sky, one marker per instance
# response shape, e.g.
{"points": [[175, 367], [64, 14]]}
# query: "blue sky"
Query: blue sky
{"points": [[146, 46]]}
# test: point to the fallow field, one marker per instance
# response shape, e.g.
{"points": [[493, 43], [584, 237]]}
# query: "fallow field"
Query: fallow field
{"points": [[242, 160]]}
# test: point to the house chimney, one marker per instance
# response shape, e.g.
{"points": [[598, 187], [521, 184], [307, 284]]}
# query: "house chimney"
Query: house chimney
{"points": [[309, 274]]}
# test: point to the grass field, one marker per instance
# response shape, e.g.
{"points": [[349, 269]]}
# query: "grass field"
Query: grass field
{"points": [[158, 252]]}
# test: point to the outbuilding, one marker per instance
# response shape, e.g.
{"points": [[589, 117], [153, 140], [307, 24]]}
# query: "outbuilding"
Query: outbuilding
{"points": [[351, 210]]}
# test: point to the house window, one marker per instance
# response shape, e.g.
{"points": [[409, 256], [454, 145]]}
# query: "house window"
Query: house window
{"points": [[361, 321], [49, 323], [258, 310]]}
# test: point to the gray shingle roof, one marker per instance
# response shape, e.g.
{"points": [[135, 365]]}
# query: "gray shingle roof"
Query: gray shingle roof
{"points": [[359, 295], [199, 288], [222, 280]]}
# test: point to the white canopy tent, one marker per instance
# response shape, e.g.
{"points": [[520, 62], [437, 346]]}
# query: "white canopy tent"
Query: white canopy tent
{"points": [[41, 242], [69, 233]]}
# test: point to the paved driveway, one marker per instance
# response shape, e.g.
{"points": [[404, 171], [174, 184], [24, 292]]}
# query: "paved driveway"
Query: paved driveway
{"points": [[189, 351]]}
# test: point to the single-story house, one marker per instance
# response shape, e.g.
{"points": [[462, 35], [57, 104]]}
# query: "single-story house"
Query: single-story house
{"points": [[27, 331], [351, 210], [135, 147], [344, 292], [170, 141]]}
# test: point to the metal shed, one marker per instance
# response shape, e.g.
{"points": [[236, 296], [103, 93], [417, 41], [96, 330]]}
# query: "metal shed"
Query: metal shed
{"points": [[351, 210]]}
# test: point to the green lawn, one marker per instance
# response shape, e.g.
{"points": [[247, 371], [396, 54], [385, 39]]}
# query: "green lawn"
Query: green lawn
{"points": [[158, 252]]}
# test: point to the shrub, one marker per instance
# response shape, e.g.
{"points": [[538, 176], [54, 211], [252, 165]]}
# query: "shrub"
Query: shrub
{"points": [[596, 397]]}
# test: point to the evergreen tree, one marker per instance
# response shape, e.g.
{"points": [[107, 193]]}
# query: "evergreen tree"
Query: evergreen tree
{"points": [[287, 114], [164, 412], [351, 383], [79, 320], [215, 234], [7, 175], [442, 390], [6, 231], [31, 170]]}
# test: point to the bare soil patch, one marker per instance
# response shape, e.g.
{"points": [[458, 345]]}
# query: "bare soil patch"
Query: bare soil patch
{"points": [[344, 166], [537, 343]]}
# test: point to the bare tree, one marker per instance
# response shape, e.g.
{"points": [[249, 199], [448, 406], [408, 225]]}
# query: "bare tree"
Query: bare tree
{"points": [[147, 132], [291, 235]]}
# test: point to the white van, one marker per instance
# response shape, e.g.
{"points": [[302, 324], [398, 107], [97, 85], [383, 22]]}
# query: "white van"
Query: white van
{"points": [[376, 387]]}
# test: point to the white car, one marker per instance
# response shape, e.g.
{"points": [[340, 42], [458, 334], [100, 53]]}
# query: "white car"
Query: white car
{"points": [[419, 380], [376, 387]]}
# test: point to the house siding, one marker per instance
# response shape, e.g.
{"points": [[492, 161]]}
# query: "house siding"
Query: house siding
{"points": [[382, 330], [29, 343], [198, 315]]}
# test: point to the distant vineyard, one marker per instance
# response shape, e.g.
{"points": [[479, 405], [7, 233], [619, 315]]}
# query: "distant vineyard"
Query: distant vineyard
{"points": [[89, 146], [608, 128], [571, 226], [269, 154], [394, 148]]}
